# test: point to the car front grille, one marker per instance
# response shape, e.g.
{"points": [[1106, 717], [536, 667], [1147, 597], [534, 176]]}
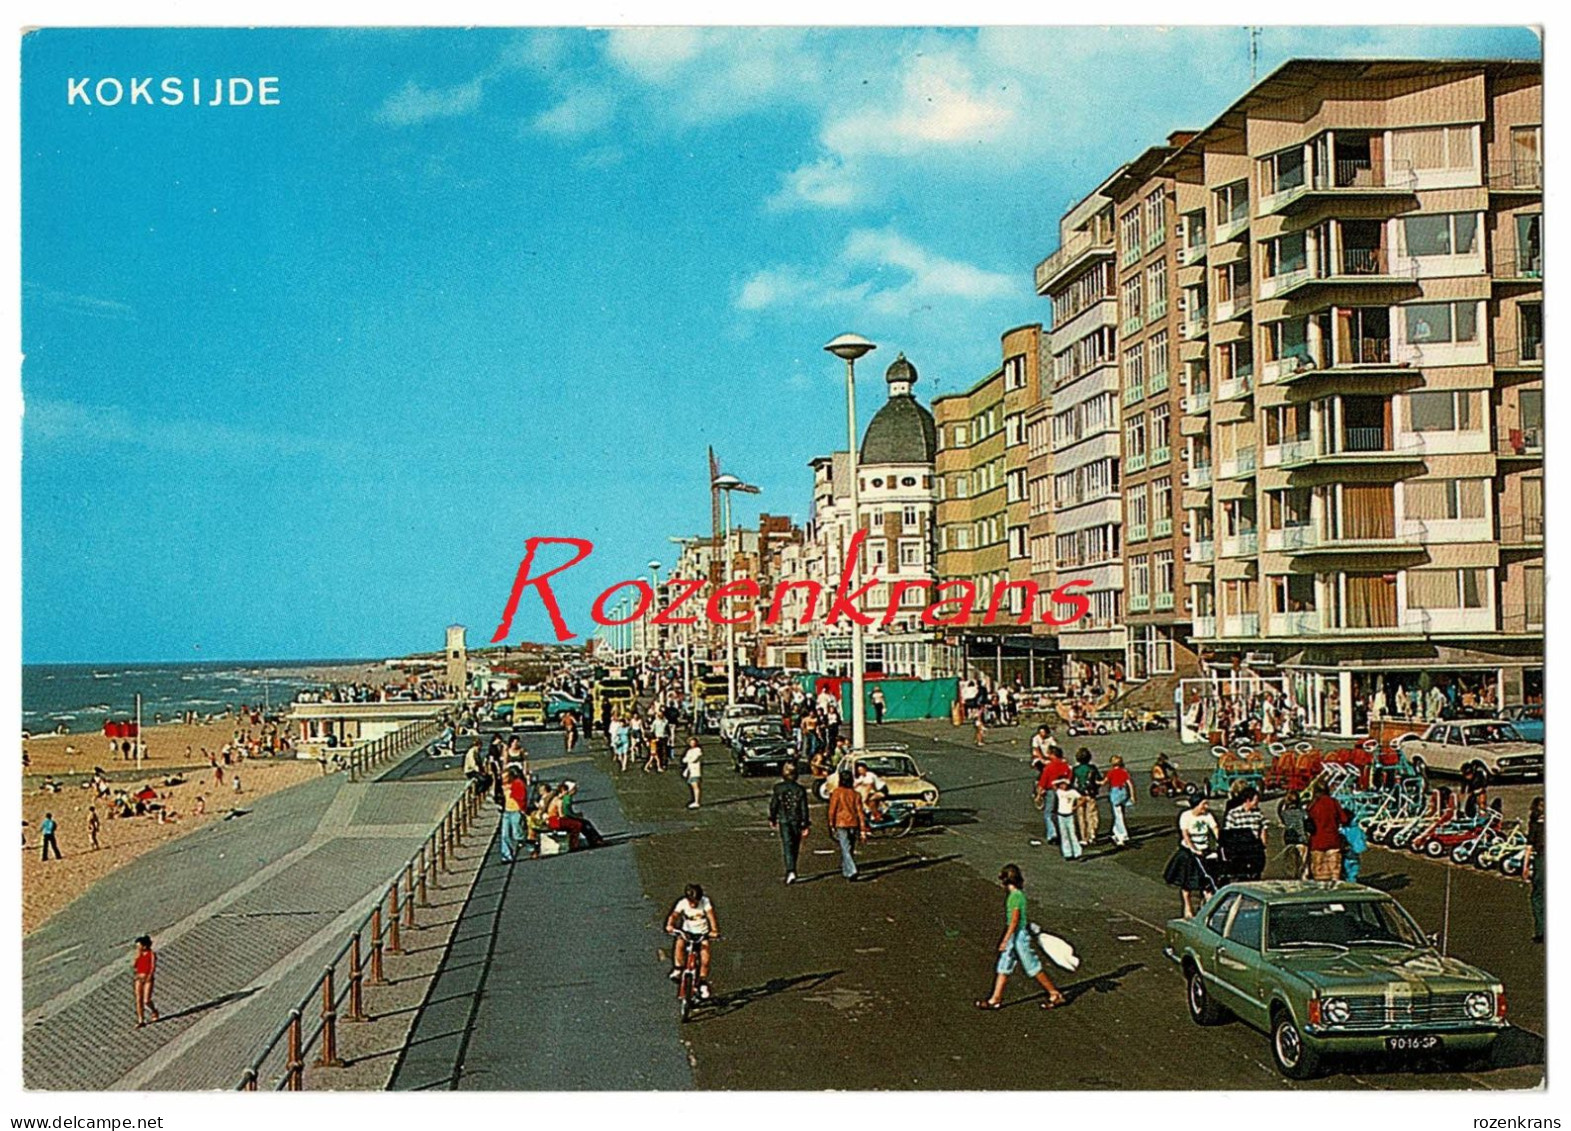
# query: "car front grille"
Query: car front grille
{"points": [[1377, 1012]]}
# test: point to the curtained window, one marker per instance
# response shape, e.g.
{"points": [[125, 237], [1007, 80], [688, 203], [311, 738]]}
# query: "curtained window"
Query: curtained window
{"points": [[1368, 512], [1371, 600]]}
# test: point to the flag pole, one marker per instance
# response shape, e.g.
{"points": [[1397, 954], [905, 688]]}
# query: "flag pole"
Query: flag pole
{"points": [[138, 732]]}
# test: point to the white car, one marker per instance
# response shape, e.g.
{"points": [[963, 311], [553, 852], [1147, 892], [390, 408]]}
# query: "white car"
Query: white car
{"points": [[1448, 746], [735, 715]]}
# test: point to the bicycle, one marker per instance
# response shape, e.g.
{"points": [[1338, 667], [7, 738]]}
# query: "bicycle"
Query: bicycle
{"points": [[896, 819], [688, 983]]}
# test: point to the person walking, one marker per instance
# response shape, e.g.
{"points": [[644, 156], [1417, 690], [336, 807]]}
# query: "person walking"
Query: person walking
{"points": [[788, 813], [1088, 782], [1533, 866], [514, 802], [570, 729], [879, 705], [93, 825], [1015, 948], [847, 822], [693, 770], [1120, 795], [48, 829], [1187, 870], [1054, 770], [1065, 801], [143, 968], [1325, 819], [1295, 834], [1244, 835]]}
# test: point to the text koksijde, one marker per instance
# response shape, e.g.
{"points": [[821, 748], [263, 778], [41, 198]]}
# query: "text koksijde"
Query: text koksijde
{"points": [[951, 602]]}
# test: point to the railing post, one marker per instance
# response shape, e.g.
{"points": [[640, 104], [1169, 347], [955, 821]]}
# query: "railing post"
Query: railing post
{"points": [[441, 851], [328, 1058], [294, 1071], [394, 946], [248, 1081], [376, 946], [424, 866], [356, 976], [409, 894]]}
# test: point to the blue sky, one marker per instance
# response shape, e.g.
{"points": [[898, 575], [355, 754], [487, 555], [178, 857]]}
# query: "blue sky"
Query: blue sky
{"points": [[301, 380]]}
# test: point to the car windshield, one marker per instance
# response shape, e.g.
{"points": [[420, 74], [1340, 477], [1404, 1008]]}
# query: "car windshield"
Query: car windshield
{"points": [[771, 729], [742, 712], [1492, 732], [1342, 923], [891, 766]]}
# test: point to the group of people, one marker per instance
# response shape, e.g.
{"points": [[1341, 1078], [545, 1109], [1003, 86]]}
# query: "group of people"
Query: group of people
{"points": [[1069, 795], [531, 809]]}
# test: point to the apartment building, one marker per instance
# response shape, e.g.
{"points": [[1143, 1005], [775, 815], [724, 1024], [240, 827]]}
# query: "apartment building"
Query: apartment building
{"points": [[1360, 274], [1150, 329], [1081, 474]]}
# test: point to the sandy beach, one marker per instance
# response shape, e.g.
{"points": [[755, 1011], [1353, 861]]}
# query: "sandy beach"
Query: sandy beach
{"points": [[173, 750]]}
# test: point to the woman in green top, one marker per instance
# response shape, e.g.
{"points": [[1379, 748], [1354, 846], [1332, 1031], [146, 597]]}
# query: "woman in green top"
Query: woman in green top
{"points": [[1015, 948]]}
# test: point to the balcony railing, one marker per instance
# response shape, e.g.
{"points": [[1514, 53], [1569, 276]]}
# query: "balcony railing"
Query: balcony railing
{"points": [[1365, 440], [1137, 532], [1133, 393], [1161, 455], [1518, 262], [1193, 253], [1193, 326], [1201, 552], [1132, 324], [1244, 545], [1245, 624], [1288, 452], [1364, 261], [1232, 388], [1522, 620], [1369, 351], [1518, 175], [1155, 237], [1527, 354], [1139, 602], [1199, 476], [1159, 381], [1273, 285], [1197, 402], [1304, 622], [1158, 309], [1525, 442], [1076, 247], [1289, 538], [1136, 461], [1203, 627], [1162, 602], [1161, 528], [1529, 531], [1241, 464]]}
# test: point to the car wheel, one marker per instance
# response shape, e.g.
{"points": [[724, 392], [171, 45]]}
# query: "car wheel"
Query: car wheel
{"points": [[1102, 729], [1294, 1059], [1202, 1010], [1434, 849]]}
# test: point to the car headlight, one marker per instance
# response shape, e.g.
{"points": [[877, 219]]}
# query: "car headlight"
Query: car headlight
{"points": [[1480, 1005], [930, 797], [1335, 1010]]}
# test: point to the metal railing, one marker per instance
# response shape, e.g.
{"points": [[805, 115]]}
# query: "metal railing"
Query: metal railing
{"points": [[1077, 245], [1524, 174], [1529, 351], [360, 959], [368, 755], [1512, 262], [1527, 441], [1526, 532], [1364, 261]]}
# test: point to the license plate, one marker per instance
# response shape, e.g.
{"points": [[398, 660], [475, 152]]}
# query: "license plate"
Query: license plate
{"points": [[1427, 1042]]}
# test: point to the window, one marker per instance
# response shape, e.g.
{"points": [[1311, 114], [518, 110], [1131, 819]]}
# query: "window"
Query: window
{"points": [[1284, 170], [1135, 438], [1440, 411], [1232, 203], [961, 484], [1247, 921], [1436, 322], [1136, 509], [962, 436], [1162, 570], [1134, 368], [1088, 289], [1129, 235], [1155, 216], [909, 519], [1156, 290], [1161, 431], [1445, 499], [1014, 430], [1286, 254], [1015, 372], [1433, 148], [1015, 482], [1159, 361], [1140, 576], [1162, 500], [1017, 541], [1453, 234], [910, 554], [962, 538], [1448, 588], [1217, 920], [1134, 308], [1293, 593]]}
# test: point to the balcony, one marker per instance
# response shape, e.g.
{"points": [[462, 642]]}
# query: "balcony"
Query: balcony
{"points": [[1156, 311], [1196, 403], [1403, 540], [1348, 176], [1135, 462], [1525, 355], [1193, 254], [1162, 602], [1520, 443], [1528, 532], [1235, 307], [1161, 455], [1289, 538], [1162, 528], [1272, 286], [1193, 327], [1289, 452], [1139, 602], [1245, 545], [1307, 622], [1201, 552], [1159, 382], [1354, 265], [1237, 466], [1245, 624], [1198, 477], [1523, 265], [1078, 250], [1133, 393], [1517, 176], [1234, 226], [1203, 627], [1137, 532], [1236, 387]]}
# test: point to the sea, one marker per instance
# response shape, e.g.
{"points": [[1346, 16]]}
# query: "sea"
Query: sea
{"points": [[82, 697]]}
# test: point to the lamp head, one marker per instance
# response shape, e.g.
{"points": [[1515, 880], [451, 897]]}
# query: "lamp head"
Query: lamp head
{"points": [[726, 482], [849, 347], [654, 567]]}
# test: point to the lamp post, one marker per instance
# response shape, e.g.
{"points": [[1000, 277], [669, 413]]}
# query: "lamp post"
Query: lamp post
{"points": [[651, 632], [849, 347], [726, 484], [687, 631]]}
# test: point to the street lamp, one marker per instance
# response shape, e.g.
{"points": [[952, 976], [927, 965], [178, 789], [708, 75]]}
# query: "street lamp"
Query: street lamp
{"points": [[651, 632], [687, 629], [849, 347], [725, 484]]}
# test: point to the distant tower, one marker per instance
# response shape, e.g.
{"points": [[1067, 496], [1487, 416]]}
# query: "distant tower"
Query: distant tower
{"points": [[457, 660]]}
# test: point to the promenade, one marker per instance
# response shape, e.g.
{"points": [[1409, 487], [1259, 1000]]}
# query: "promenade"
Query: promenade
{"points": [[244, 912]]}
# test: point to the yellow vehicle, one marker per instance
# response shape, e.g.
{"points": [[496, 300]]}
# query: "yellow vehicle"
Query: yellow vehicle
{"points": [[712, 693], [529, 709], [614, 695]]}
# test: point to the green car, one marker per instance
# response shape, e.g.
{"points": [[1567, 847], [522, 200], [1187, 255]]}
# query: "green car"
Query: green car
{"points": [[1330, 968]]}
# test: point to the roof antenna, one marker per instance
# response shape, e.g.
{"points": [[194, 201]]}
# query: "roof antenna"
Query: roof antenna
{"points": [[1254, 55]]}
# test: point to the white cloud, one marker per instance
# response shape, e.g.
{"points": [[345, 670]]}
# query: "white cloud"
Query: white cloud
{"points": [[582, 110], [655, 54], [415, 104], [940, 103], [827, 183], [67, 422], [877, 270]]}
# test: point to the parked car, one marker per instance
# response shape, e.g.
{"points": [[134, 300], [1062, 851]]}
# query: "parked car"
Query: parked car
{"points": [[1528, 718], [1330, 969], [737, 713], [1447, 746], [762, 745], [902, 777]]}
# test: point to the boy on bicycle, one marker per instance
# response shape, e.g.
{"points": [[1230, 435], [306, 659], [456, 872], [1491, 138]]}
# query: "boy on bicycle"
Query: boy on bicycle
{"points": [[692, 922]]}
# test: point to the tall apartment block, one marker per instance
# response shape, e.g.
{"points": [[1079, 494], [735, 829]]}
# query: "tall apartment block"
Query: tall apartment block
{"points": [[1360, 272], [1081, 474], [1151, 328]]}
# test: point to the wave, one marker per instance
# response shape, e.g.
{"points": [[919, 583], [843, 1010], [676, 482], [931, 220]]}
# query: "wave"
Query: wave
{"points": [[107, 675]]}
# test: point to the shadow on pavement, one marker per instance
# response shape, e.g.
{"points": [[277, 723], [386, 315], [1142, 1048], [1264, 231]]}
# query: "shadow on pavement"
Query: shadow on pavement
{"points": [[740, 999], [238, 995]]}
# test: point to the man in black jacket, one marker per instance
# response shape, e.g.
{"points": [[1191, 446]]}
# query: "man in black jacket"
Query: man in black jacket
{"points": [[788, 813]]}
